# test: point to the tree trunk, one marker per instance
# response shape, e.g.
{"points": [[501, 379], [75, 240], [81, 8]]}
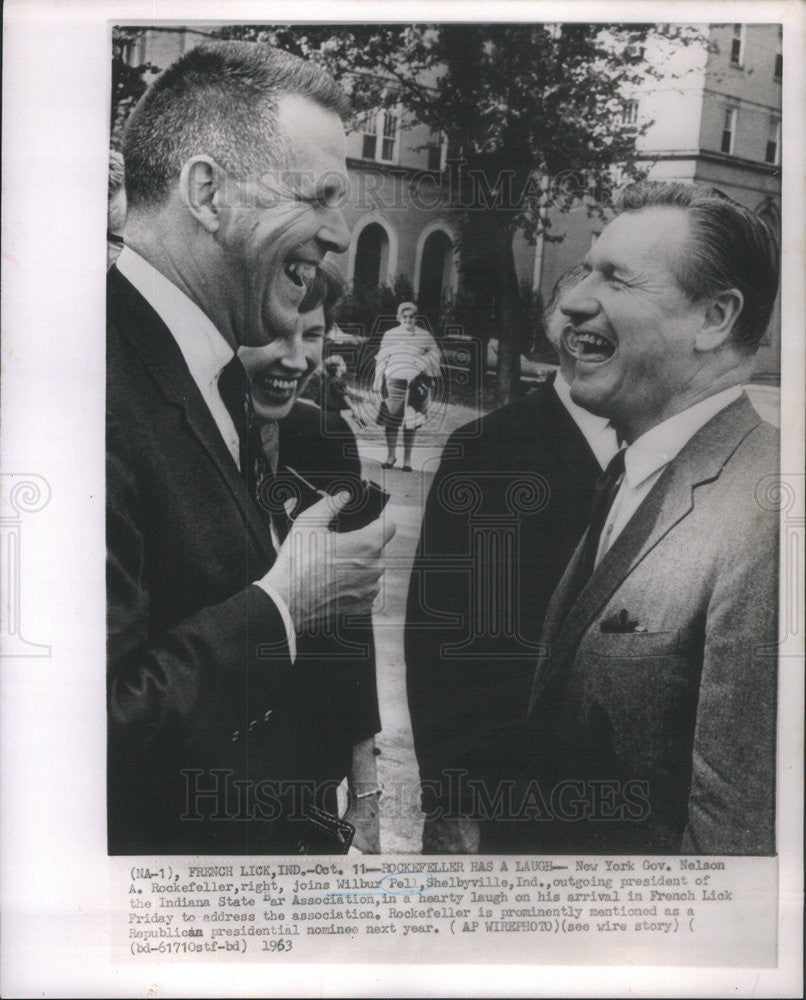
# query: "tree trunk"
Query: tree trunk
{"points": [[510, 319], [508, 374]]}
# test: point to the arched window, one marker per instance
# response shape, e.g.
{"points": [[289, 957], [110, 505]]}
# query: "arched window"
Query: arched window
{"points": [[371, 257], [436, 275]]}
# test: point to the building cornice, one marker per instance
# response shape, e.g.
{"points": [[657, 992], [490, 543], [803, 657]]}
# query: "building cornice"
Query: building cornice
{"points": [[740, 101], [712, 156], [393, 169]]}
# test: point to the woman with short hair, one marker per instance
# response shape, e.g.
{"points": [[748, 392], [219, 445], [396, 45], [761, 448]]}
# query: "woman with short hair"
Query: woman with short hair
{"points": [[407, 364]]}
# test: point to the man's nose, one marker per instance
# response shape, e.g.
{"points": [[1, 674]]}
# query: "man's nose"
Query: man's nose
{"points": [[579, 301], [334, 234], [292, 353]]}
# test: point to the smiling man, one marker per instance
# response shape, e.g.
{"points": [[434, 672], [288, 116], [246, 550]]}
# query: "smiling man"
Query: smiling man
{"points": [[471, 637], [652, 718], [234, 169]]}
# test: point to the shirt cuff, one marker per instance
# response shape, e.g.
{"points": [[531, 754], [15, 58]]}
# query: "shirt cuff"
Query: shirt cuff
{"points": [[285, 614]]}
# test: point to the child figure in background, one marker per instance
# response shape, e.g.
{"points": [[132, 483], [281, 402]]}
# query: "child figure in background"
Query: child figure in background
{"points": [[336, 393]]}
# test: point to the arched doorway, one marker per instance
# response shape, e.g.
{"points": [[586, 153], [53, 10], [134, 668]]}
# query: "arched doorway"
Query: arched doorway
{"points": [[371, 257], [435, 276]]}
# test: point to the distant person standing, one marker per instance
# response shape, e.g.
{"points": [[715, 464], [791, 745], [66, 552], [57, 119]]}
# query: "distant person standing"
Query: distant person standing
{"points": [[115, 207], [336, 395], [407, 364]]}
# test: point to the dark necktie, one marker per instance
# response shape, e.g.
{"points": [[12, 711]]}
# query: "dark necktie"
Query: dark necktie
{"points": [[233, 387], [607, 485], [264, 448]]}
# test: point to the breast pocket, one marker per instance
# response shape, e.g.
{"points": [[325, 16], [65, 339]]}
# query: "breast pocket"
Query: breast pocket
{"points": [[633, 645], [645, 686]]}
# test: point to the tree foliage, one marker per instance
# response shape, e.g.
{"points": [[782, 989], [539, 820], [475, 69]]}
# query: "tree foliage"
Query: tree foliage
{"points": [[536, 117], [129, 79]]}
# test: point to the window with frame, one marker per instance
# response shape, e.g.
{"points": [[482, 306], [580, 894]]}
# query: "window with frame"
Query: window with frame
{"points": [[131, 49], [737, 45], [635, 50], [379, 136], [388, 151], [629, 113], [772, 153], [369, 137], [728, 131], [778, 71], [437, 151]]}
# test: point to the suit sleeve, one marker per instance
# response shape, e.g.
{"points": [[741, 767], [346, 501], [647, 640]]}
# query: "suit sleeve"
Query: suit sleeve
{"points": [[732, 799], [361, 712], [337, 670], [208, 674]]}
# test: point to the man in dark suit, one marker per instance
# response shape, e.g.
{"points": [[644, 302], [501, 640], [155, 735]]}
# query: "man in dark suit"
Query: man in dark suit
{"points": [[235, 160], [653, 712], [508, 504]]}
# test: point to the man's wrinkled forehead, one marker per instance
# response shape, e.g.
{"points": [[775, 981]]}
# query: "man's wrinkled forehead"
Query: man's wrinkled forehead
{"points": [[304, 159], [635, 242], [276, 186]]}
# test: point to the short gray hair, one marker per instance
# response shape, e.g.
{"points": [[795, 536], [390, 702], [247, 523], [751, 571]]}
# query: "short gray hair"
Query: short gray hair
{"points": [[730, 247], [218, 99]]}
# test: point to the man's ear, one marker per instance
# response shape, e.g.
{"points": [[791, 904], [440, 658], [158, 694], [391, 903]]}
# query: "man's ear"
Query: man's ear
{"points": [[200, 188], [719, 320]]}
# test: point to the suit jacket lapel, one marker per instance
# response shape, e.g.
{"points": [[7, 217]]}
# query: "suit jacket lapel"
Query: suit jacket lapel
{"points": [[671, 499], [153, 341]]}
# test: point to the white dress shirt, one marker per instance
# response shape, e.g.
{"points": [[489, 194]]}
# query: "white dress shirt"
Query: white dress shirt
{"points": [[648, 456], [206, 353], [597, 431]]}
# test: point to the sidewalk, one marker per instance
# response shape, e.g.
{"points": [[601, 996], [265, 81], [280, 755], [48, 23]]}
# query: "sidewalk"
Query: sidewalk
{"points": [[400, 805]]}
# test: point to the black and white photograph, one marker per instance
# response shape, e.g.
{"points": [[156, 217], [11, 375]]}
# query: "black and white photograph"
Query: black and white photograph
{"points": [[478, 266], [402, 506]]}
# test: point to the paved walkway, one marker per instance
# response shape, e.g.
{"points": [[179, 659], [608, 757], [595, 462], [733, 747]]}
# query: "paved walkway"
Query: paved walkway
{"points": [[400, 811]]}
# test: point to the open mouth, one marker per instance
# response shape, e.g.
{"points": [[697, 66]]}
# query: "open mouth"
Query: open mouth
{"points": [[300, 272], [586, 346], [275, 388]]}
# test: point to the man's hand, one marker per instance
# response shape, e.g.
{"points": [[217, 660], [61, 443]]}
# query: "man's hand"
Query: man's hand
{"points": [[364, 814], [451, 836], [365, 793], [321, 574]]}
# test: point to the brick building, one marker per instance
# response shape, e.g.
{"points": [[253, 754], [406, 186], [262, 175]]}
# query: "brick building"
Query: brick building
{"points": [[716, 119]]}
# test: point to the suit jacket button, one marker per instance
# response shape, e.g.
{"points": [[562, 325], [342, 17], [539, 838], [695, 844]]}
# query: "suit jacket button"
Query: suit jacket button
{"points": [[236, 736], [267, 715], [252, 725]]}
